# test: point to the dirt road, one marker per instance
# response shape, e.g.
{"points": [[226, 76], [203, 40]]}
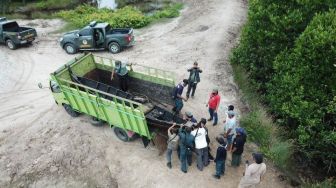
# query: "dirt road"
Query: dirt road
{"points": [[41, 146]]}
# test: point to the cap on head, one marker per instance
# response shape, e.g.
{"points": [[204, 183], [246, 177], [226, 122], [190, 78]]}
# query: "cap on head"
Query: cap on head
{"points": [[189, 114], [195, 63], [240, 130]]}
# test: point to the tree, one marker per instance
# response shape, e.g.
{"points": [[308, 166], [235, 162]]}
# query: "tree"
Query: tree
{"points": [[303, 91]]}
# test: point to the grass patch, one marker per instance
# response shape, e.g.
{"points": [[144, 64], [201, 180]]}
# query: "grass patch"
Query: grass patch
{"points": [[260, 127], [328, 183]]}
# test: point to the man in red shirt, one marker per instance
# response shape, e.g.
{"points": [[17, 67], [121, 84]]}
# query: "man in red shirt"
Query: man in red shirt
{"points": [[213, 105]]}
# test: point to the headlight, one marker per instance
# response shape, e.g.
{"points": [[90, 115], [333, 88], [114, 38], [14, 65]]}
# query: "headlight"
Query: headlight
{"points": [[19, 37], [61, 39]]}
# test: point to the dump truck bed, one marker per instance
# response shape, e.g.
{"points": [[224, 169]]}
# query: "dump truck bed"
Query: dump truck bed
{"points": [[84, 85]]}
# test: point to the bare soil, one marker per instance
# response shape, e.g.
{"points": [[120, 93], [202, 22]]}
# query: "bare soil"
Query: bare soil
{"points": [[42, 146]]}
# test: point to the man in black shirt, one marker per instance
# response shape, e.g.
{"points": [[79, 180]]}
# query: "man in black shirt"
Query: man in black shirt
{"points": [[220, 157], [238, 147]]}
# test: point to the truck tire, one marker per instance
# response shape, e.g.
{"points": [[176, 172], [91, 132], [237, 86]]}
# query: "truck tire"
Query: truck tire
{"points": [[114, 47], [10, 44], [70, 48], [121, 134], [70, 110], [96, 122]]}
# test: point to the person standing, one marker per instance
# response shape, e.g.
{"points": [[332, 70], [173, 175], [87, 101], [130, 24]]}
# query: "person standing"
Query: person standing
{"points": [[238, 147], [185, 144], [220, 158], [201, 146], [178, 98], [230, 129], [230, 108], [194, 79], [120, 69], [213, 105], [254, 173], [172, 143], [203, 124]]}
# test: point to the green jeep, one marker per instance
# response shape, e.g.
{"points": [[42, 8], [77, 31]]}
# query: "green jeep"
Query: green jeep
{"points": [[97, 36], [13, 35]]}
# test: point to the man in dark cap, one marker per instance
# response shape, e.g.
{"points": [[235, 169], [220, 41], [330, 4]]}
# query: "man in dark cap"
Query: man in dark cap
{"points": [[238, 147], [178, 98], [220, 157]]}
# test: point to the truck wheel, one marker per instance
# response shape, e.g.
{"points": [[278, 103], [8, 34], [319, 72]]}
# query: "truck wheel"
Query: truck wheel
{"points": [[96, 122], [70, 48], [10, 44], [114, 47], [70, 110], [121, 134]]}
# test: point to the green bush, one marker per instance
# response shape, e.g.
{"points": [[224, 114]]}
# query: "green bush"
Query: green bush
{"points": [[124, 17], [303, 91]]}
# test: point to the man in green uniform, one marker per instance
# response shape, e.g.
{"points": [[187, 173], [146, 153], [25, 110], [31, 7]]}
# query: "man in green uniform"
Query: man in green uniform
{"points": [[121, 71], [194, 79], [186, 145]]}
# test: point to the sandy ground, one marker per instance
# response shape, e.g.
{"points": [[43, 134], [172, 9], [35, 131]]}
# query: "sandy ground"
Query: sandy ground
{"points": [[42, 146]]}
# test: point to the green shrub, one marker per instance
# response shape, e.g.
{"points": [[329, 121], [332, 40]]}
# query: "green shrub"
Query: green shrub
{"points": [[303, 91], [124, 17]]}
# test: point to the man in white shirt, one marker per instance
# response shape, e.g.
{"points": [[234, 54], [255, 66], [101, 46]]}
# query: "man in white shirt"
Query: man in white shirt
{"points": [[201, 146]]}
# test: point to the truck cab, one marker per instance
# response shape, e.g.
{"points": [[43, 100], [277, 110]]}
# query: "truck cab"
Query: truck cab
{"points": [[97, 36], [13, 35]]}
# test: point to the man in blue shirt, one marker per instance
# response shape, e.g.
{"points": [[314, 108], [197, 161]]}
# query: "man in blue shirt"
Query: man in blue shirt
{"points": [[120, 69], [178, 98]]}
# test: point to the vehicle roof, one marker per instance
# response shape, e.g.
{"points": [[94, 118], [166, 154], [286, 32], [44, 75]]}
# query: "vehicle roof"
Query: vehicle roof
{"points": [[6, 22], [101, 25], [97, 25]]}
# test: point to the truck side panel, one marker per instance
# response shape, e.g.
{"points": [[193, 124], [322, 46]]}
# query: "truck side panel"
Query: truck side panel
{"points": [[114, 112]]}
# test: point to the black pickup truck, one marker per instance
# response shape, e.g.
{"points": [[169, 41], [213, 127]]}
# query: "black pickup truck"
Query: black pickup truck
{"points": [[97, 36], [13, 35]]}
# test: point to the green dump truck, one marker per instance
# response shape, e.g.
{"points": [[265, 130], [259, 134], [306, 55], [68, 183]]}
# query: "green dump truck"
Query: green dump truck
{"points": [[83, 86]]}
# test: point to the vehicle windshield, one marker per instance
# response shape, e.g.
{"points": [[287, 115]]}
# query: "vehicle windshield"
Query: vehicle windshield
{"points": [[11, 27]]}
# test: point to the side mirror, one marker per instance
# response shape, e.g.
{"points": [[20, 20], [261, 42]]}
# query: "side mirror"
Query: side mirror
{"points": [[77, 35], [40, 85]]}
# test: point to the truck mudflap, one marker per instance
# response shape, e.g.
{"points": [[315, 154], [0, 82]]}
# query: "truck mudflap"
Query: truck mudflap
{"points": [[145, 141]]}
